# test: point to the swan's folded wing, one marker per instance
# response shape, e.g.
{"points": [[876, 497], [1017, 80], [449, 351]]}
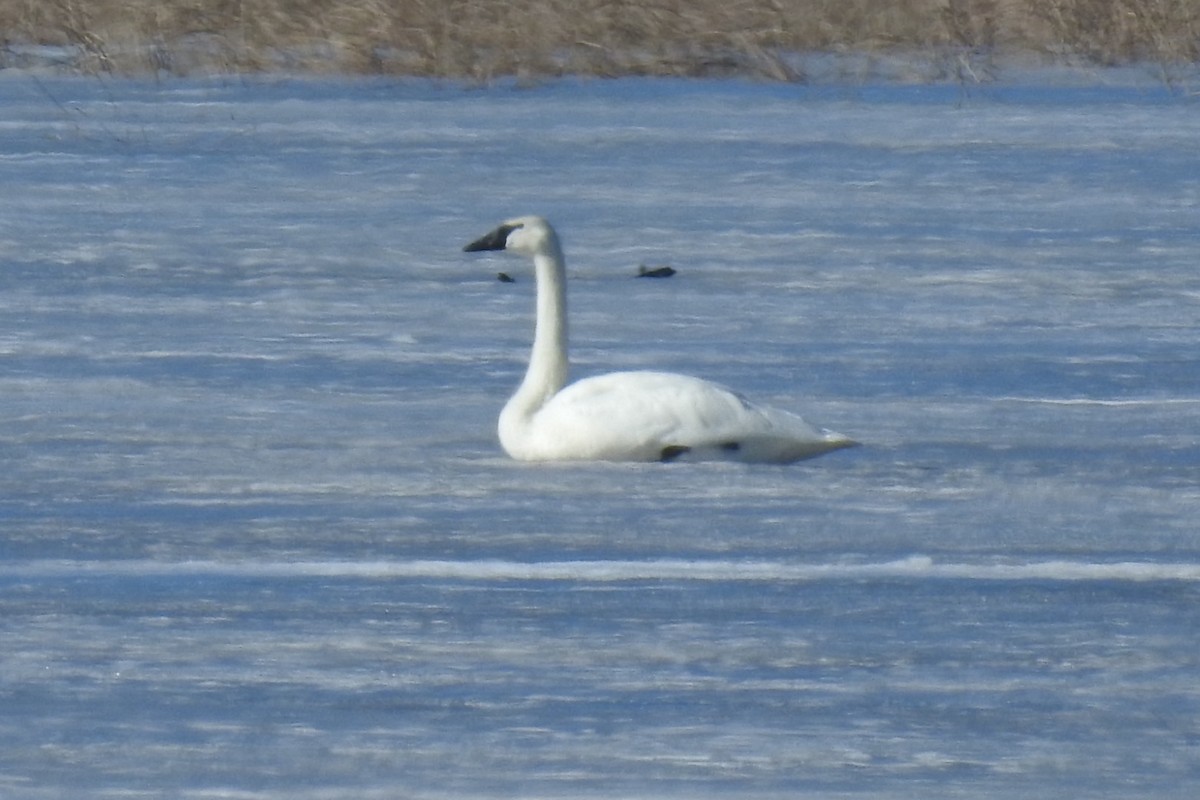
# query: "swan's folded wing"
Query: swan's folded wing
{"points": [[652, 416]]}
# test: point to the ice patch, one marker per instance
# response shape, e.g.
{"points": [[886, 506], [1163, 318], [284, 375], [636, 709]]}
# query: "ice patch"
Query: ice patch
{"points": [[606, 571], [1089, 401]]}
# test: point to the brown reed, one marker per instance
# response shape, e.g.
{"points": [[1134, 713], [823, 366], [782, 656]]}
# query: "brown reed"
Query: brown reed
{"points": [[485, 39]]}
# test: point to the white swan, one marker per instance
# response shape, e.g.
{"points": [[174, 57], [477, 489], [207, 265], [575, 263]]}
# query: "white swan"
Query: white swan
{"points": [[627, 416]]}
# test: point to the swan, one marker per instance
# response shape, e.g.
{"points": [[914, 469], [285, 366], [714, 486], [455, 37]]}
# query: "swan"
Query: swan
{"points": [[627, 416]]}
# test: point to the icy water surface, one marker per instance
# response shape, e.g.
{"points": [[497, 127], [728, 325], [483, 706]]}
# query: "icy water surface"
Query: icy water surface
{"points": [[259, 541]]}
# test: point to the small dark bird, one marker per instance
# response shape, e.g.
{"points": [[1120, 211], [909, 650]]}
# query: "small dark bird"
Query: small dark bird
{"points": [[655, 272], [504, 277]]}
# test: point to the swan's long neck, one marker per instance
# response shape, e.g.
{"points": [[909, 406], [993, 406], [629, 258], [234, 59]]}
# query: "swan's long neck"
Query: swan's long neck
{"points": [[548, 367]]}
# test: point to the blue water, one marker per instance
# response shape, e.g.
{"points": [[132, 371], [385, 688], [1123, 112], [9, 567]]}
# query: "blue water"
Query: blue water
{"points": [[259, 541]]}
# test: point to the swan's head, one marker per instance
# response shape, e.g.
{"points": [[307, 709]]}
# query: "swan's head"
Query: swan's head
{"points": [[527, 236]]}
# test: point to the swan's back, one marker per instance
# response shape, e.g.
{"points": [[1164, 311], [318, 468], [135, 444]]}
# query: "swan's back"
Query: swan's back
{"points": [[658, 416]]}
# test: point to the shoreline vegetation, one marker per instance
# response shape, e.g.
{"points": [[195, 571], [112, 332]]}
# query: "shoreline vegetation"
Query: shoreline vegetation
{"points": [[486, 40]]}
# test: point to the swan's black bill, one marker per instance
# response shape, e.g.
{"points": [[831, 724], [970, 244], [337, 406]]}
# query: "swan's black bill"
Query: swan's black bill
{"points": [[496, 240]]}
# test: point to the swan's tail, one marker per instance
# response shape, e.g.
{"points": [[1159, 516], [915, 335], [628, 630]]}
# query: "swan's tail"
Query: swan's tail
{"points": [[796, 439], [775, 449], [827, 442], [838, 441]]}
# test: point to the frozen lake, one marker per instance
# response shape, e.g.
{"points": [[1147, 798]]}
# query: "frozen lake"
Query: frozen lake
{"points": [[259, 540]]}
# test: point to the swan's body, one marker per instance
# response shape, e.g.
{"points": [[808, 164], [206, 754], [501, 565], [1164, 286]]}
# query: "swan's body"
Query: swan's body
{"points": [[627, 416]]}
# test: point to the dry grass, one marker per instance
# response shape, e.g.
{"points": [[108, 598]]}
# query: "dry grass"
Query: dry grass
{"points": [[484, 39]]}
